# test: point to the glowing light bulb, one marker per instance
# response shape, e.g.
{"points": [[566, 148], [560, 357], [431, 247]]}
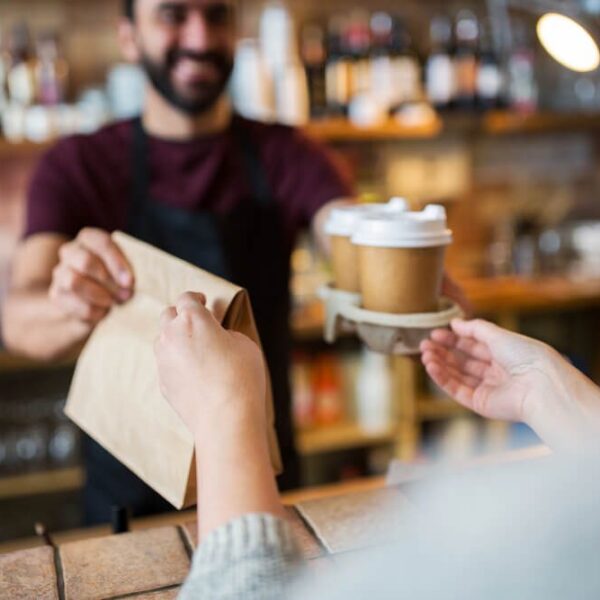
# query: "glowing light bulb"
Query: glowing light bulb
{"points": [[568, 42]]}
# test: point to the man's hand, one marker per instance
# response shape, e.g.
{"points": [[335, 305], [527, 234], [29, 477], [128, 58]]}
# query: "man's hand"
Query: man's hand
{"points": [[92, 276]]}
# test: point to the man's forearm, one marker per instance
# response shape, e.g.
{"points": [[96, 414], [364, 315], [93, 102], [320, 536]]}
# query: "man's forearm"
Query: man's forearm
{"points": [[34, 327]]}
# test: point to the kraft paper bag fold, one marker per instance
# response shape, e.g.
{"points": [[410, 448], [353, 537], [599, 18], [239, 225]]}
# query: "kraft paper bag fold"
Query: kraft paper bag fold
{"points": [[115, 397]]}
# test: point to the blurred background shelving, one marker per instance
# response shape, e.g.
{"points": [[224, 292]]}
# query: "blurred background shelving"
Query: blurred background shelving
{"points": [[518, 174]]}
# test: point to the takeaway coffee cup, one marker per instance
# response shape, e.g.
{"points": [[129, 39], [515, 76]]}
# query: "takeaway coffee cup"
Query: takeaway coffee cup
{"points": [[340, 227], [401, 260]]}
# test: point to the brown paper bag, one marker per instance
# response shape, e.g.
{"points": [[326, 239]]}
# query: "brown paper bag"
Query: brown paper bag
{"points": [[115, 396]]}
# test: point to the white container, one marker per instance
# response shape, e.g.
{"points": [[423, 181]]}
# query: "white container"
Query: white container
{"points": [[277, 37], [252, 88], [291, 87], [125, 89], [374, 393]]}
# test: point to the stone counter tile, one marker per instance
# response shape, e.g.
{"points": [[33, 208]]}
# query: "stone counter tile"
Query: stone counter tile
{"points": [[28, 574], [125, 564], [310, 546], [355, 521], [190, 530], [162, 595]]}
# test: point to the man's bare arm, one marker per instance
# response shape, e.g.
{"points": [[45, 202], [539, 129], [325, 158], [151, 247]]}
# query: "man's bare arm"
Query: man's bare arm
{"points": [[60, 290], [32, 324]]}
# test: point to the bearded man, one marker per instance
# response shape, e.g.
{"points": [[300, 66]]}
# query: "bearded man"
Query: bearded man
{"points": [[188, 176]]}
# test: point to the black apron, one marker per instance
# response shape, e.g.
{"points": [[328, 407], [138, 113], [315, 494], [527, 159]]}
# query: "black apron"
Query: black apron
{"points": [[245, 246]]}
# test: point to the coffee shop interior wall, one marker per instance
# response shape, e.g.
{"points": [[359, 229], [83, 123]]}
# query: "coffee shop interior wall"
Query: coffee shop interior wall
{"points": [[521, 170], [492, 180], [489, 181]]}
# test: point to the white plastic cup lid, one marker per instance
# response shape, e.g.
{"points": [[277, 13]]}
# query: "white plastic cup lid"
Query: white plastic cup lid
{"points": [[343, 221], [424, 229]]}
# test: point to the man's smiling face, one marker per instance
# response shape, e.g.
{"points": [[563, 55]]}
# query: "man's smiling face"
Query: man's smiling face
{"points": [[186, 48]]}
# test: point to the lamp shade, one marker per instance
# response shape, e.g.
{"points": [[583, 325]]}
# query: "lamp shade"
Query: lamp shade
{"points": [[568, 42]]}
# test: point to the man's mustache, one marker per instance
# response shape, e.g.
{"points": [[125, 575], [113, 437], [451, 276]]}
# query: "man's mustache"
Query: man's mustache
{"points": [[217, 59]]}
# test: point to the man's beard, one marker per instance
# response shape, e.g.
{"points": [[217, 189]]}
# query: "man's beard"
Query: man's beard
{"points": [[204, 95]]}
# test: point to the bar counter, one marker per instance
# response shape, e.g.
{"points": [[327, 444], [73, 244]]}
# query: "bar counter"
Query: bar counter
{"points": [[152, 561]]}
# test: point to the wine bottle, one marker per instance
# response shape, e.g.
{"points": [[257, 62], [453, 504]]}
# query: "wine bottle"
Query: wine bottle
{"points": [[466, 59], [440, 77]]}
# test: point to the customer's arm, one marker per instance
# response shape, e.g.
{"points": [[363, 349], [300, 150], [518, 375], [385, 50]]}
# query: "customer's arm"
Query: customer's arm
{"points": [[215, 380], [503, 375]]}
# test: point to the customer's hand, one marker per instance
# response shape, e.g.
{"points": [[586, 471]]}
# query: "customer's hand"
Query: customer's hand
{"points": [[216, 381], [503, 375], [212, 377], [92, 276]]}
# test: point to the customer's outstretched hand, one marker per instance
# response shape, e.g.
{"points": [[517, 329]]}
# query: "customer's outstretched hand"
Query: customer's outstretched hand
{"points": [[503, 375]]}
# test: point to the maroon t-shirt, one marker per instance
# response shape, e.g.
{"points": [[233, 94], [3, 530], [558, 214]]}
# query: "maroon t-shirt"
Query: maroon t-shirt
{"points": [[86, 180]]}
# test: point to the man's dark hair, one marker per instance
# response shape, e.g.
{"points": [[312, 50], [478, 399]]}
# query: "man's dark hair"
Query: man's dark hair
{"points": [[128, 8]]}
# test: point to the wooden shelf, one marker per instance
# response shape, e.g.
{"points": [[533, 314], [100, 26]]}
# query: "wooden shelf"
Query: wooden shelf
{"points": [[434, 409], [341, 130], [45, 482], [349, 435], [341, 437], [505, 122], [21, 150]]}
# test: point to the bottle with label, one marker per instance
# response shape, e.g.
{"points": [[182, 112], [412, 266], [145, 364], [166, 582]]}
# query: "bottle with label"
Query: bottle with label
{"points": [[406, 70], [359, 46], [302, 392], [382, 25], [51, 70], [20, 76], [466, 59], [374, 392], [439, 71], [522, 86], [314, 56], [329, 405], [489, 73], [338, 73]]}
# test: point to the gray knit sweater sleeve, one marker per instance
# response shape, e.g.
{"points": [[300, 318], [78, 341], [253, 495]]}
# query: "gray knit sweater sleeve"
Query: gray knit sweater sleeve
{"points": [[254, 557]]}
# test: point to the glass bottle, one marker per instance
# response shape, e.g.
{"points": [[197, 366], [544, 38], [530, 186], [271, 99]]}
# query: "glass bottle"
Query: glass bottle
{"points": [[382, 25], [466, 59], [489, 73], [20, 77], [522, 86], [439, 70], [51, 71], [406, 70], [338, 73], [314, 57]]}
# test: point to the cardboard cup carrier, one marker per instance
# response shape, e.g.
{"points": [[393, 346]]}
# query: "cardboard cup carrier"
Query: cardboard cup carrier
{"points": [[401, 260], [340, 227]]}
